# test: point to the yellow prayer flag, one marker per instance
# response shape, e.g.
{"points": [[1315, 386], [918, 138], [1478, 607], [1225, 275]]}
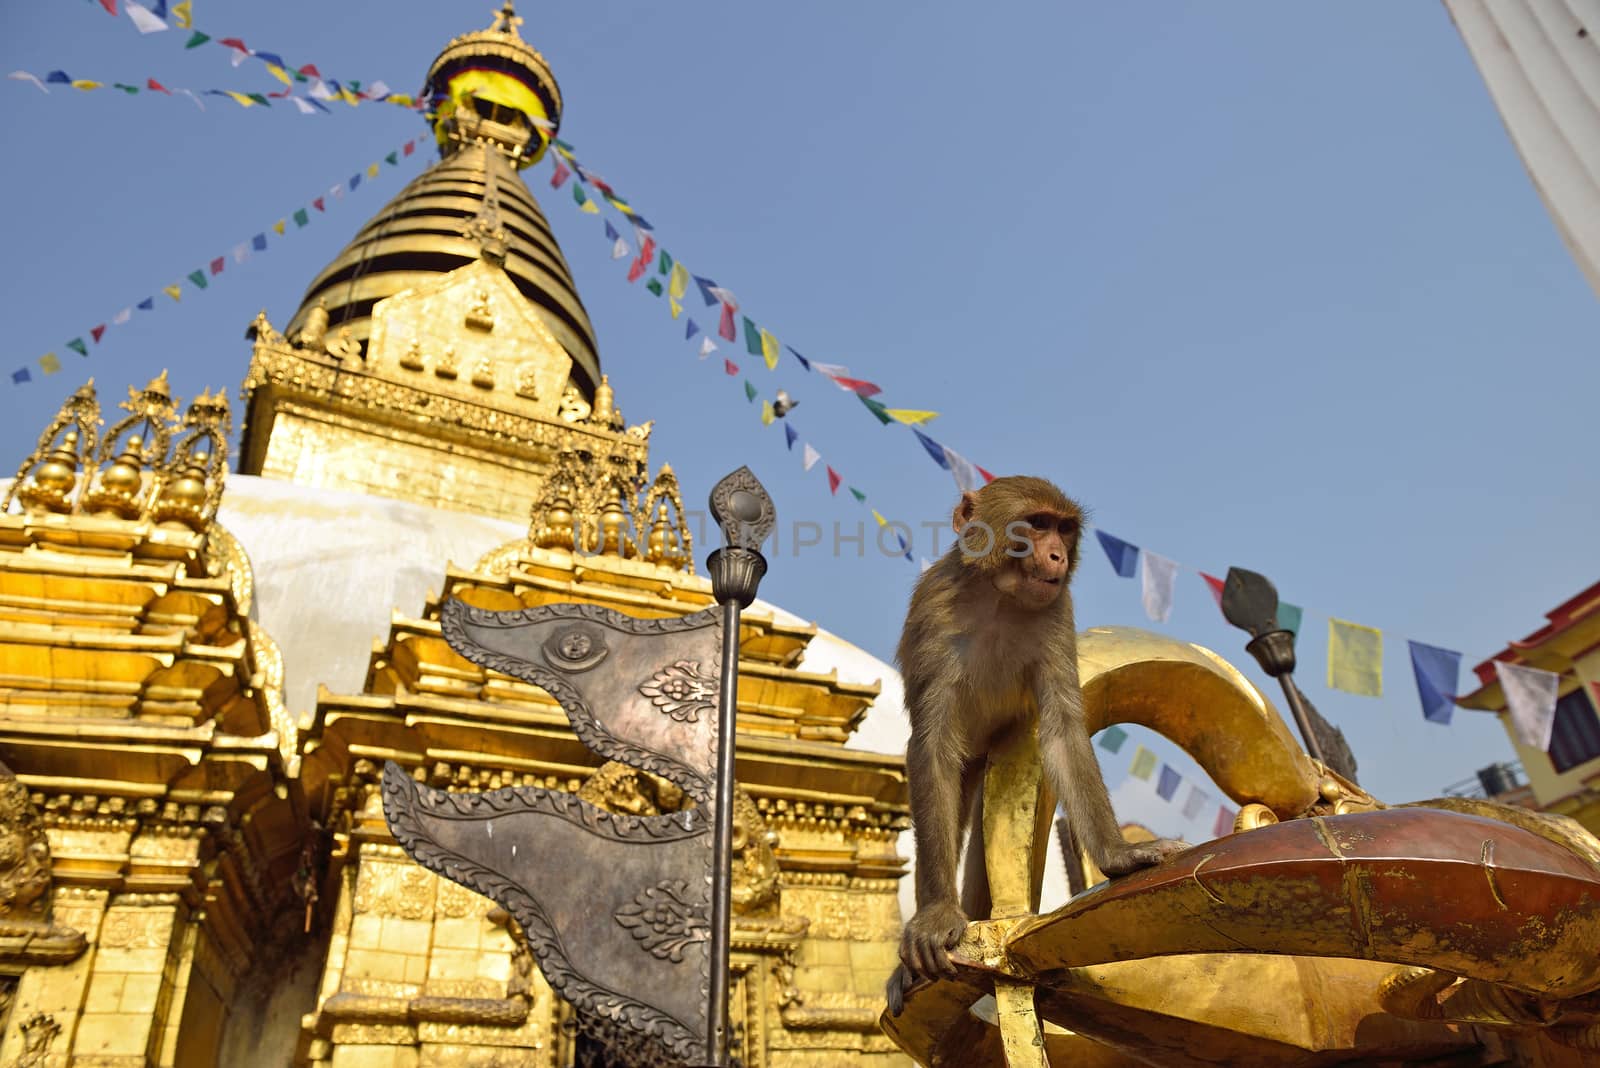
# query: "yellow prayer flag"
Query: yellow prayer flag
{"points": [[183, 14], [882, 522], [1144, 764], [242, 100], [50, 362], [278, 226], [677, 309], [766, 413], [769, 350], [910, 416], [590, 208], [280, 74], [372, 171], [678, 281], [175, 292], [1355, 658], [86, 84]]}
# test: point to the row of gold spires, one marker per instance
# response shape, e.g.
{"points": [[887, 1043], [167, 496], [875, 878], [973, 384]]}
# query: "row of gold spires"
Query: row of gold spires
{"points": [[128, 475]]}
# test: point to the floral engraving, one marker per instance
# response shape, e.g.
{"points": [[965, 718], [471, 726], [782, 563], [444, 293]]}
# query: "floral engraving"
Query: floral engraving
{"points": [[682, 691], [665, 921]]}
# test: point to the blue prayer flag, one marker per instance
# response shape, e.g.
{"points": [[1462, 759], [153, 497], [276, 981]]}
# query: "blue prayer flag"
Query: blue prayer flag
{"points": [[61, 77], [1124, 556], [611, 231], [147, 304], [160, 9], [637, 220], [935, 450], [271, 57], [803, 361], [21, 375], [1169, 782], [788, 432], [690, 329], [1438, 672], [1289, 617], [706, 286], [355, 180], [259, 242]]}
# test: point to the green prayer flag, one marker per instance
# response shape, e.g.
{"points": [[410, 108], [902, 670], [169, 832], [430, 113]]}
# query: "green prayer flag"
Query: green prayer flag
{"points": [[578, 195], [197, 40], [393, 159], [1144, 764], [259, 99], [876, 409], [1112, 737], [301, 218], [752, 337], [1289, 617], [77, 345], [664, 264], [198, 278], [131, 90], [858, 495], [654, 286], [560, 143], [749, 390]]}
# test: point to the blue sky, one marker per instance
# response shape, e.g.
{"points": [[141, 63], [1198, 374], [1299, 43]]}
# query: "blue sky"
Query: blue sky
{"points": [[1263, 284]]}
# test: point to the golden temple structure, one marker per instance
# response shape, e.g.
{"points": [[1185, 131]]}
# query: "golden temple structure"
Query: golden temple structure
{"points": [[203, 674]]}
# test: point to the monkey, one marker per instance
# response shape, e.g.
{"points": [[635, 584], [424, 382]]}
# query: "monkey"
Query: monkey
{"points": [[989, 627]]}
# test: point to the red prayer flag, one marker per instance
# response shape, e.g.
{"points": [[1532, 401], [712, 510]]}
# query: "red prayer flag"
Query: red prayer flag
{"points": [[317, 203], [725, 327], [231, 42], [98, 332], [636, 270], [987, 477], [216, 264], [729, 366], [858, 385], [1214, 584], [410, 146], [833, 480], [109, 5], [311, 69], [151, 83], [280, 95], [560, 176], [1224, 824]]}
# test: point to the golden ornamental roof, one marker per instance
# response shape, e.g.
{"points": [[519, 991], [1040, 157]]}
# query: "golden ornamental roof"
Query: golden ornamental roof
{"points": [[500, 47], [430, 229]]}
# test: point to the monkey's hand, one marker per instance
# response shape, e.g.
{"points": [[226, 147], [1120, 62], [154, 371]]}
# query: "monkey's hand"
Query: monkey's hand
{"points": [[929, 937], [1125, 857]]}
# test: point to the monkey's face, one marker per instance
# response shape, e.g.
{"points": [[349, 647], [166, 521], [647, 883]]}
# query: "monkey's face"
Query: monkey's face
{"points": [[1040, 551]]}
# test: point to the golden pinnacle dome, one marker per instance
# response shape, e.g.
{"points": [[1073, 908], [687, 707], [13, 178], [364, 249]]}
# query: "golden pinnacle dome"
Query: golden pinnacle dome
{"points": [[495, 106]]}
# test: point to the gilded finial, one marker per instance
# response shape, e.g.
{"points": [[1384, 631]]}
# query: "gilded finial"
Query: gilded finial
{"points": [[506, 20], [54, 479], [117, 494], [604, 401]]}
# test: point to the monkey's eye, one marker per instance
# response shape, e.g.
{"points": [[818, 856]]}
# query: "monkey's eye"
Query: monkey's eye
{"points": [[1040, 522], [1068, 528]]}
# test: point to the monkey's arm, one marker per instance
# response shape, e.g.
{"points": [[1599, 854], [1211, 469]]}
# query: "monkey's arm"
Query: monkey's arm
{"points": [[1073, 772]]}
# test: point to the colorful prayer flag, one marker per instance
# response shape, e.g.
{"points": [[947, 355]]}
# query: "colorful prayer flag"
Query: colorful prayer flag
{"points": [[1144, 764], [24, 76], [1213, 584], [1438, 671], [217, 264], [877, 518], [967, 474], [1160, 576], [749, 391], [122, 316], [301, 218], [21, 375], [752, 337], [766, 413], [144, 19], [690, 329], [809, 457], [147, 304], [861, 498], [50, 363], [834, 481], [559, 175], [279, 225], [1289, 617], [678, 284], [1224, 824], [795, 353], [198, 278], [932, 448], [259, 242], [372, 171], [1530, 702], [654, 286], [1124, 556], [878, 410], [707, 347], [1168, 783], [620, 250], [708, 290], [769, 350], [1194, 802], [1112, 738], [1355, 658], [911, 416], [77, 345], [790, 436], [725, 324], [392, 159], [730, 367], [174, 291], [98, 332], [182, 14]]}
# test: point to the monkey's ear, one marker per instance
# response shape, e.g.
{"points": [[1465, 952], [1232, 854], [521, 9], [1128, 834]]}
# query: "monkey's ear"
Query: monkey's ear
{"points": [[966, 508]]}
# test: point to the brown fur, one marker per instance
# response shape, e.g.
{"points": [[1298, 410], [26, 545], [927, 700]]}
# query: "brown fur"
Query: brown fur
{"points": [[990, 634]]}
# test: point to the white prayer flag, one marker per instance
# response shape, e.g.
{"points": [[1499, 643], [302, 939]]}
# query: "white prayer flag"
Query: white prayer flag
{"points": [[1159, 573], [239, 56], [1196, 800], [122, 316], [190, 93], [24, 76], [707, 347], [321, 91], [619, 251], [1531, 702], [964, 470], [725, 297], [926, 563], [304, 106], [336, 191], [811, 456], [241, 252], [377, 90], [146, 20], [832, 370]]}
